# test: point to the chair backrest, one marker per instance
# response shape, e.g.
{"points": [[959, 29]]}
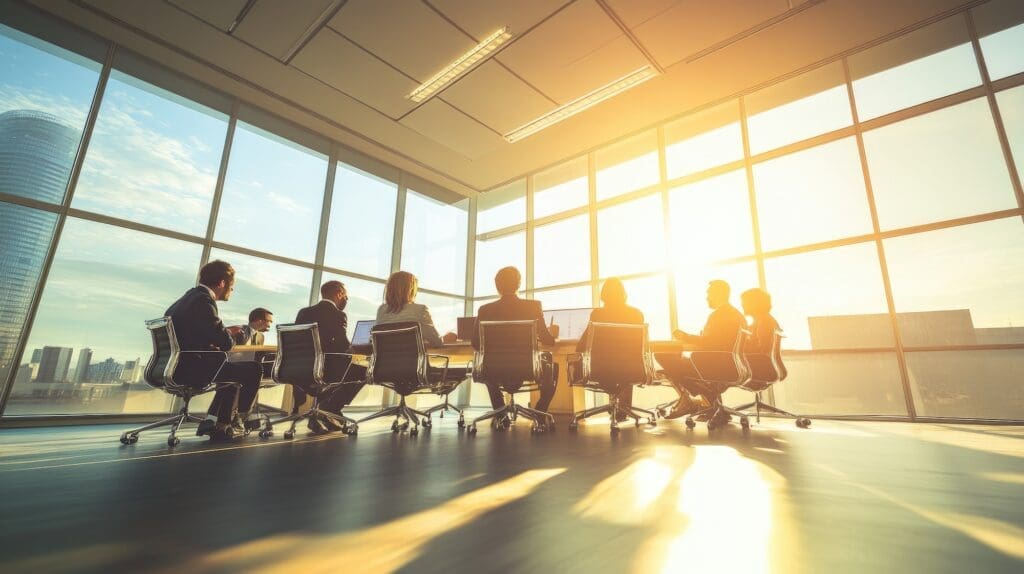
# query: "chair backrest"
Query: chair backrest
{"points": [[399, 358], [617, 355], [300, 360], [160, 368], [767, 368], [508, 355], [728, 368]]}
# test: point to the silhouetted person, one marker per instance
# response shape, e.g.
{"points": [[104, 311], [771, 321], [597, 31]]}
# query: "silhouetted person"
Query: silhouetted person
{"points": [[719, 334], [757, 304], [614, 310], [332, 324], [511, 308], [199, 328], [251, 333]]}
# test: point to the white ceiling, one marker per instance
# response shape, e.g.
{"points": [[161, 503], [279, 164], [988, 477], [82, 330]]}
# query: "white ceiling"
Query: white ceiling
{"points": [[344, 67]]}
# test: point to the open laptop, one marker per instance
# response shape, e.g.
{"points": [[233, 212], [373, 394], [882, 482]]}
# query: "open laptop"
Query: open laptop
{"points": [[361, 336], [466, 328], [571, 322]]}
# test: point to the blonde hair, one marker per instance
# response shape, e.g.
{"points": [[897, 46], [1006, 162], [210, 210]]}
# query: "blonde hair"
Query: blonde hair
{"points": [[399, 291]]}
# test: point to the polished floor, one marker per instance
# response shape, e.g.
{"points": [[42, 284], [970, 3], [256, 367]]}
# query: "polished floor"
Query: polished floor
{"points": [[839, 497]]}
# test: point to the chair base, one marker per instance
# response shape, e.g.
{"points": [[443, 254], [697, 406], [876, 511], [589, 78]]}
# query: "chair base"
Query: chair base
{"points": [[613, 410], [348, 425], [759, 406], [132, 436], [542, 421], [443, 408], [402, 411]]}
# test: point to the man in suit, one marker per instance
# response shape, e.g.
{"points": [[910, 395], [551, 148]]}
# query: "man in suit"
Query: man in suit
{"points": [[332, 324], [260, 320], [199, 328], [511, 308]]}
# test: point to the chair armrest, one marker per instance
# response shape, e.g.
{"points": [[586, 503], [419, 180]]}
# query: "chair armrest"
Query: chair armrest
{"points": [[349, 355], [223, 360]]}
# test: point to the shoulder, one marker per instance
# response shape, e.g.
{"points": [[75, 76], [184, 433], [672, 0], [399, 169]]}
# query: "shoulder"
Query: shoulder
{"points": [[418, 309], [637, 313], [486, 309]]}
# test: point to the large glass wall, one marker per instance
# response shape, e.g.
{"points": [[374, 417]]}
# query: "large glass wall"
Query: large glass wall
{"points": [[876, 198]]}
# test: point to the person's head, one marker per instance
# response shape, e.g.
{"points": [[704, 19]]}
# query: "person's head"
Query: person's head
{"points": [[219, 276], [261, 319], [507, 280], [613, 293], [756, 302], [400, 290], [335, 292], [718, 293]]}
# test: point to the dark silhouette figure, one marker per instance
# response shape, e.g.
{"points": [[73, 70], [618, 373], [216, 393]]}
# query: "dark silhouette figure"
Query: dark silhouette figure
{"points": [[614, 310]]}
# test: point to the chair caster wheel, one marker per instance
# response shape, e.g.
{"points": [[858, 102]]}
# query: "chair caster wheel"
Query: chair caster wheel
{"points": [[173, 441], [472, 429], [427, 423], [266, 433], [745, 423], [350, 429], [462, 423], [690, 424], [615, 430], [652, 423], [574, 425], [289, 435], [414, 431], [129, 438], [803, 422]]}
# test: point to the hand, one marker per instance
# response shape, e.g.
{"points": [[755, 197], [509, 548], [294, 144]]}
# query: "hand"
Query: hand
{"points": [[554, 330], [449, 337]]}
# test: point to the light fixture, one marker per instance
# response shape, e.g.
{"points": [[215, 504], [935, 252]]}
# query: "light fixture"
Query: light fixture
{"points": [[611, 89], [474, 57]]}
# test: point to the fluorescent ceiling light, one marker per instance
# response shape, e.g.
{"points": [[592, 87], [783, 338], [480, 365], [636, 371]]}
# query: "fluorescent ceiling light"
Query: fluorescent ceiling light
{"points": [[611, 89], [474, 57]]}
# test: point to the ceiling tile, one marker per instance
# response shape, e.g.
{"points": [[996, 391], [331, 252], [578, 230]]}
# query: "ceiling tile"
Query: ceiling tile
{"points": [[221, 13], [497, 98], [408, 35], [573, 53], [451, 128], [636, 12], [346, 67], [275, 26], [481, 17]]}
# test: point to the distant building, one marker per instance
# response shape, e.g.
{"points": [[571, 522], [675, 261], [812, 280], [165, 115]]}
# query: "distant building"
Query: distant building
{"points": [[26, 373], [109, 371], [82, 366], [37, 355], [132, 372], [54, 364]]}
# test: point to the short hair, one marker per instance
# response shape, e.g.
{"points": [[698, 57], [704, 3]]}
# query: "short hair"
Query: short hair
{"points": [[613, 292], [399, 290], [331, 288], [720, 286], [757, 301], [216, 271], [507, 280], [259, 313]]}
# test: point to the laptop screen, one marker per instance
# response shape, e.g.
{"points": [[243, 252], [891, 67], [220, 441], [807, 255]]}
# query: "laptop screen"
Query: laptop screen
{"points": [[361, 336], [466, 328], [571, 322]]}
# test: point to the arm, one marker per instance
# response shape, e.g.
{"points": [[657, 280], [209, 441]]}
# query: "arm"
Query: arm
{"points": [[542, 328], [214, 327], [428, 330]]}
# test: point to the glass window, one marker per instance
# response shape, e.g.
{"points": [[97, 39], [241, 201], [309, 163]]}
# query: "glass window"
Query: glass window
{"points": [[445, 311], [281, 289], [561, 252], [830, 299], [1011, 108], [631, 237], [561, 188], [650, 295], [363, 299], [361, 231], [812, 195], [811, 104], [434, 242], [938, 166], [968, 384], [692, 286], [494, 253], [44, 97], [920, 66], [703, 140], [153, 157], [273, 195], [626, 166], [24, 241], [831, 383], [568, 298], [1002, 36], [711, 219], [501, 207], [104, 284], [960, 286]]}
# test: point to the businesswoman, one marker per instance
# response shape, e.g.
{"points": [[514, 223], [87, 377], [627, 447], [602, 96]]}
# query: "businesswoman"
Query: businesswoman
{"points": [[614, 309], [757, 304], [400, 306]]}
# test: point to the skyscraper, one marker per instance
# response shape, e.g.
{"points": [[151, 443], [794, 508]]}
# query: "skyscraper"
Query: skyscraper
{"points": [[82, 366], [108, 371], [53, 368], [36, 153]]}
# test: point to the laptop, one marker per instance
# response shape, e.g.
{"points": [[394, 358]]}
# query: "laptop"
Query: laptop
{"points": [[361, 336], [571, 322], [466, 328]]}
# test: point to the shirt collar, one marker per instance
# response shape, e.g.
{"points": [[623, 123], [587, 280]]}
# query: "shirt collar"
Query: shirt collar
{"points": [[331, 302], [210, 291]]}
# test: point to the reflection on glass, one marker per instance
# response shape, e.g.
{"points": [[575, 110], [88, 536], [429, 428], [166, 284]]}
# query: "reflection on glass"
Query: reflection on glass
{"points": [[631, 237], [273, 195], [561, 188], [650, 295], [362, 226], [93, 345], [703, 140], [811, 196], [938, 166], [960, 286], [493, 254], [153, 157], [562, 252], [968, 384], [841, 384], [710, 219], [924, 65], [692, 286], [626, 166], [279, 288], [567, 298], [45, 95], [1003, 51], [808, 105], [829, 299], [501, 207], [363, 299], [445, 311], [1011, 108], [434, 242]]}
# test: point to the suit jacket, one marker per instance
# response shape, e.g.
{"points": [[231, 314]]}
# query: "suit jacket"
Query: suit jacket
{"points": [[415, 313], [719, 333], [762, 335], [332, 324], [614, 314], [196, 322], [249, 336], [512, 308]]}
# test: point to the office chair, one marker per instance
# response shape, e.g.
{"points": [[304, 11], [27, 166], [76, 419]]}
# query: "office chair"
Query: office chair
{"points": [[765, 371], [400, 362], [509, 359], [300, 362], [163, 372], [717, 372], [616, 356]]}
